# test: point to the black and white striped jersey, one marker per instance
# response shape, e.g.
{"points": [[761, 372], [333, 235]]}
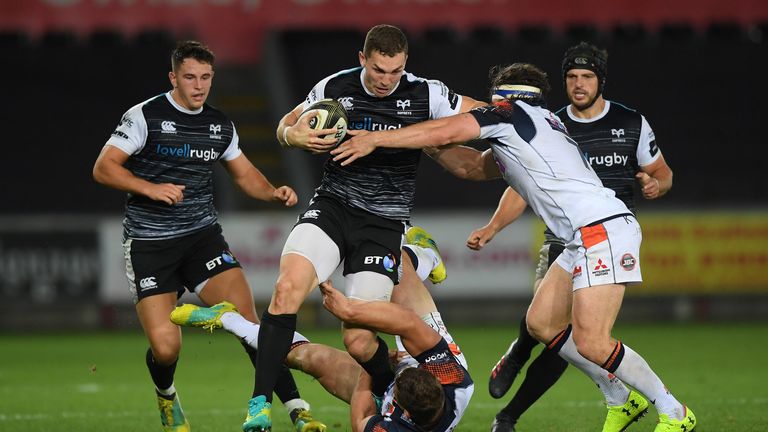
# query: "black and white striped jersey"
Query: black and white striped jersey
{"points": [[170, 144], [384, 182], [616, 143]]}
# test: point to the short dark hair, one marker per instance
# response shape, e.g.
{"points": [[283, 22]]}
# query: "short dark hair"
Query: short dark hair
{"points": [[519, 74], [387, 39], [191, 49], [420, 393]]}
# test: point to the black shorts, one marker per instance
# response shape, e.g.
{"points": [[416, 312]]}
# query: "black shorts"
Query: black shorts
{"points": [[163, 266], [366, 242]]}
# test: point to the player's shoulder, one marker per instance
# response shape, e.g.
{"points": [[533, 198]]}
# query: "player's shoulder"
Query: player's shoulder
{"points": [[620, 109]]}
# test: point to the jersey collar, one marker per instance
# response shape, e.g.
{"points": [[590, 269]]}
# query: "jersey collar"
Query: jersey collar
{"points": [[590, 120], [181, 108]]}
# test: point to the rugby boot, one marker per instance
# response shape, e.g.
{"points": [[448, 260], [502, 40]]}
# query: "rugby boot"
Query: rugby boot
{"points": [[502, 423], [209, 318], [504, 373], [687, 424], [620, 417], [259, 417], [171, 414], [417, 236], [304, 422]]}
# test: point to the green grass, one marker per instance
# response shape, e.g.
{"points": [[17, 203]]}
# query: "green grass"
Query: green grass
{"points": [[96, 382]]}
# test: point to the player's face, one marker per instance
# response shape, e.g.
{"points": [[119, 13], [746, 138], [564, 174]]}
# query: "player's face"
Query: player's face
{"points": [[382, 72], [581, 85], [191, 83]]}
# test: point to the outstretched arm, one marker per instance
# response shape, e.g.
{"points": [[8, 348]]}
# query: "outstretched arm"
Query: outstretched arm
{"points": [[511, 206], [432, 133], [466, 162], [381, 316]]}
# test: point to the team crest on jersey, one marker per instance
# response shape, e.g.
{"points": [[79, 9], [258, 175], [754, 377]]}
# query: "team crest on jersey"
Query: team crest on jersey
{"points": [[215, 131], [618, 134], [403, 106], [628, 262]]}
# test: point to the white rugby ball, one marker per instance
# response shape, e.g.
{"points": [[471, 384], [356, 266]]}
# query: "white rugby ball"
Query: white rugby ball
{"points": [[330, 115]]}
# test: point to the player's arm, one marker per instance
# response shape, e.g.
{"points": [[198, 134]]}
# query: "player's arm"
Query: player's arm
{"points": [[362, 406], [109, 170], [294, 131], [251, 180], [466, 162], [381, 316], [467, 104], [655, 179], [511, 206], [431, 133]]}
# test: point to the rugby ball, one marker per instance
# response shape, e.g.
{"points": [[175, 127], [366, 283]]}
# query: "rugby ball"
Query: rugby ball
{"points": [[330, 115]]}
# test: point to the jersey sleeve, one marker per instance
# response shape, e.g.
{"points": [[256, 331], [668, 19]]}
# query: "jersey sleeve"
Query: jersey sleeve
{"points": [[317, 93], [492, 120], [233, 150], [131, 133], [647, 150], [443, 102], [377, 423]]}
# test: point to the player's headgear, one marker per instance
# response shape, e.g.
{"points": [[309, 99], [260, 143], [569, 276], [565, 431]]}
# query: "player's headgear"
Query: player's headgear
{"points": [[519, 81], [587, 56]]}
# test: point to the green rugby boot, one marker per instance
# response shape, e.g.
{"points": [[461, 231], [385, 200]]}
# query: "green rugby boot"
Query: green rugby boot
{"points": [[259, 417], [687, 424], [209, 318], [171, 414], [620, 417]]}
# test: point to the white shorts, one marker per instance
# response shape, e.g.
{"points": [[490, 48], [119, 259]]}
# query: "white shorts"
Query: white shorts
{"points": [[604, 254]]}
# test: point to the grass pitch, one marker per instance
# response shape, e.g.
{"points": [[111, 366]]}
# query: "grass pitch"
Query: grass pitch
{"points": [[98, 381]]}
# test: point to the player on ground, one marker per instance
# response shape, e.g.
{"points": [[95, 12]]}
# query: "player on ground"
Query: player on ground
{"points": [[336, 371], [621, 148], [358, 214], [531, 150], [162, 154]]}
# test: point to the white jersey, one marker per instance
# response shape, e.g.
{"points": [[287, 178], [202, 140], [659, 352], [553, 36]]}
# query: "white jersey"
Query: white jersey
{"points": [[545, 166]]}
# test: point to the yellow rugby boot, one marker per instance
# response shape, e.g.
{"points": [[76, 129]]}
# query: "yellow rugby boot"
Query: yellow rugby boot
{"points": [[171, 414], [209, 318], [417, 236], [620, 417]]}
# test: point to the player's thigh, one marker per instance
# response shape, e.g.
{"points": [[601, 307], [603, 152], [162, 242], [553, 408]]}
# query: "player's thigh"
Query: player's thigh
{"points": [[550, 309], [164, 336], [595, 310], [230, 285]]}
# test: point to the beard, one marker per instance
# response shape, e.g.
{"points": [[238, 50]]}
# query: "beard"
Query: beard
{"points": [[584, 105]]}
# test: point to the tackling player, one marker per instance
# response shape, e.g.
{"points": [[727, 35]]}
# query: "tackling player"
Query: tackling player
{"points": [[531, 150]]}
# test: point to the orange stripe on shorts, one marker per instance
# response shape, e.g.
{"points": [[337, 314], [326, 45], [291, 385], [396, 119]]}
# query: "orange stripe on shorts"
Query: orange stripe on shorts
{"points": [[592, 235]]}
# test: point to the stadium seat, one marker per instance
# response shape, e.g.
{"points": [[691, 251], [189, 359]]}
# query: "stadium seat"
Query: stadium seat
{"points": [[583, 32], [728, 32]]}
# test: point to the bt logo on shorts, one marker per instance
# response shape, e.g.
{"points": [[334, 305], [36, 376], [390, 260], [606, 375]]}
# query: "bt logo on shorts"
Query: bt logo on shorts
{"points": [[226, 257], [147, 283], [388, 261]]}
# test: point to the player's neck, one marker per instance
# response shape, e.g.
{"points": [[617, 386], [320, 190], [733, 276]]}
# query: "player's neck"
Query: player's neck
{"points": [[592, 111]]}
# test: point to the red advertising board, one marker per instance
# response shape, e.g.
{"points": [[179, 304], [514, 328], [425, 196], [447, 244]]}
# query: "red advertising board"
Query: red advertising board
{"points": [[235, 28]]}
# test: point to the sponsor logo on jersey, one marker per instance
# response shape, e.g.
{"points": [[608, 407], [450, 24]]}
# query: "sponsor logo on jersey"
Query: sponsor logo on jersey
{"points": [[168, 127], [576, 271], [628, 262], [347, 103], [388, 262], [126, 120], [436, 357], [186, 151], [215, 131], [311, 214], [225, 257], [608, 160], [148, 283], [120, 134], [402, 105], [368, 124], [600, 269]]}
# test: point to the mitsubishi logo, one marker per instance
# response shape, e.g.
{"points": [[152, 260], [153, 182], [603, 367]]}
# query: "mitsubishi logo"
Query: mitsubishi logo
{"points": [[600, 264]]}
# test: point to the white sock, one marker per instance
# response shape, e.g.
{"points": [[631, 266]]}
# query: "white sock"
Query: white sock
{"points": [[167, 392], [635, 371], [426, 260], [247, 331], [296, 404], [615, 392]]}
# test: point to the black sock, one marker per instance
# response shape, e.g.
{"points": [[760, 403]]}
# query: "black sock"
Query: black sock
{"points": [[162, 376], [285, 388], [542, 374], [276, 333], [379, 369], [521, 352]]}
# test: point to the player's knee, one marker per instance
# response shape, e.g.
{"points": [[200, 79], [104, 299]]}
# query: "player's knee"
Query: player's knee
{"points": [[287, 297], [166, 354], [540, 329], [590, 346], [361, 345]]}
